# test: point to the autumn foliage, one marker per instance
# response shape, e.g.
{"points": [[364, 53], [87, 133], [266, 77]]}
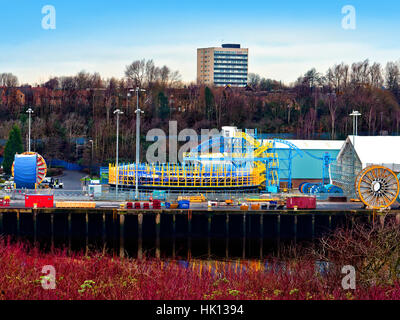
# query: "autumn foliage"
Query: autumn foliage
{"points": [[316, 106]]}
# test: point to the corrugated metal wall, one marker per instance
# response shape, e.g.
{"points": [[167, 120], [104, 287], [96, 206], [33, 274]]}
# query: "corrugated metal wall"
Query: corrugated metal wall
{"points": [[305, 167]]}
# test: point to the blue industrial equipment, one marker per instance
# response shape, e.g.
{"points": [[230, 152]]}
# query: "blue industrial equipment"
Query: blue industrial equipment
{"points": [[301, 186], [315, 188], [285, 164], [183, 204], [103, 175], [27, 165], [276, 169], [330, 188], [242, 150], [306, 187], [25, 171]]}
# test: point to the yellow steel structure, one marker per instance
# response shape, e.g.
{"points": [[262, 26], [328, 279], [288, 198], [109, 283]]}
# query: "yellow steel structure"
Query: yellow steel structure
{"points": [[193, 176], [240, 165], [263, 150]]}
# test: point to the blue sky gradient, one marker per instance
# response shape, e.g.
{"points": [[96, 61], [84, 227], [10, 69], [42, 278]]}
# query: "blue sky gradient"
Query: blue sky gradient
{"points": [[285, 38]]}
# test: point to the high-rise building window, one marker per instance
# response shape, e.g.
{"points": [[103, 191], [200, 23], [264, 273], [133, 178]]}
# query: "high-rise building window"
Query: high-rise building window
{"points": [[224, 66]]}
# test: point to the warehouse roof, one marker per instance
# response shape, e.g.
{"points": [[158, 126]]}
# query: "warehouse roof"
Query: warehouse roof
{"points": [[314, 144], [378, 150]]}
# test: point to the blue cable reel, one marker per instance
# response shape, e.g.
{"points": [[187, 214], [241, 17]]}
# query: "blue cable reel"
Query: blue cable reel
{"points": [[330, 188], [314, 188], [301, 186], [306, 188]]}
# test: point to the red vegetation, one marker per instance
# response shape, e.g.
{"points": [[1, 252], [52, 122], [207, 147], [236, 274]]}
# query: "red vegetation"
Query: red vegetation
{"points": [[80, 277]]}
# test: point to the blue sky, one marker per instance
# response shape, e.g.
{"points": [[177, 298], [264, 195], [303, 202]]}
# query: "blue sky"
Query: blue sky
{"points": [[285, 38]]}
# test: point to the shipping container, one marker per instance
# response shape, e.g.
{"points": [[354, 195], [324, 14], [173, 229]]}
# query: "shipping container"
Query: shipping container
{"points": [[301, 202], [41, 200]]}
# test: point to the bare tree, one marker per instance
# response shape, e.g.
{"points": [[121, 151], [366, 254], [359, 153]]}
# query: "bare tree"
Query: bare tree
{"points": [[313, 78], [111, 97], [360, 73], [136, 72], [164, 74], [152, 72], [254, 80], [95, 81], [67, 83], [332, 111], [8, 80], [174, 78], [337, 76], [145, 74], [52, 83], [376, 75], [74, 125], [392, 77], [84, 80], [397, 121]]}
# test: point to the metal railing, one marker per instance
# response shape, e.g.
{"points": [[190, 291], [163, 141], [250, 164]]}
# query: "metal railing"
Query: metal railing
{"points": [[59, 194], [129, 195], [123, 195]]}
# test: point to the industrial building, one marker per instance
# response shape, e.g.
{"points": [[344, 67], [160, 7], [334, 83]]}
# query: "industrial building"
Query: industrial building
{"points": [[223, 66], [371, 150], [242, 163], [238, 160], [360, 152], [308, 163]]}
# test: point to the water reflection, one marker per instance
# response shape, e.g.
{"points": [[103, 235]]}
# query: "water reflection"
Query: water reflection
{"points": [[169, 236]]}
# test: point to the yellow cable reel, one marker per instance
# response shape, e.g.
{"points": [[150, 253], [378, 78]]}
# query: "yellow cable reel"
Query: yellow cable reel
{"points": [[377, 187]]}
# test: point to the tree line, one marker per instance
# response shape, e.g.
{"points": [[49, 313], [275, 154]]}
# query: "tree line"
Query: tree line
{"points": [[316, 106]]}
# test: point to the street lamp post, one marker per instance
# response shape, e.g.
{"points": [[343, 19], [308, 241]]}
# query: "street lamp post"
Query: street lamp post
{"points": [[29, 111], [117, 112], [91, 159], [354, 115], [138, 112]]}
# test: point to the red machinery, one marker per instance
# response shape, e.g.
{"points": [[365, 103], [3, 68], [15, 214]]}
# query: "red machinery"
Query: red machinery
{"points": [[5, 202], [156, 204]]}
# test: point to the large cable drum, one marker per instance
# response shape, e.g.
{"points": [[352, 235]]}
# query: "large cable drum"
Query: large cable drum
{"points": [[377, 187], [356, 181], [301, 186], [28, 169], [305, 188]]}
